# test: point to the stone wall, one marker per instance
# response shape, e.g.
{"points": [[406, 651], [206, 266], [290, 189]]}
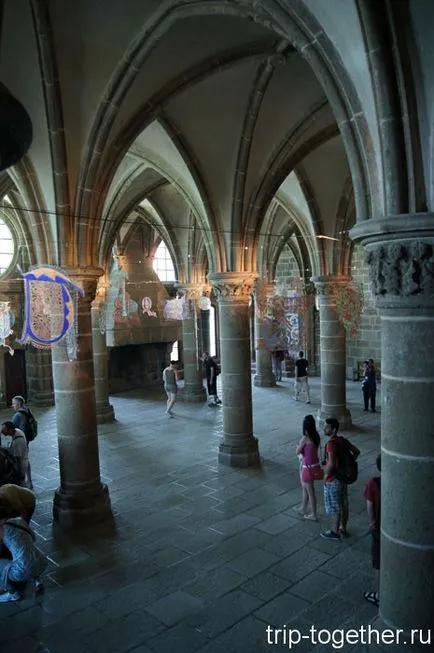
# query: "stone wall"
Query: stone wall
{"points": [[368, 343], [287, 267]]}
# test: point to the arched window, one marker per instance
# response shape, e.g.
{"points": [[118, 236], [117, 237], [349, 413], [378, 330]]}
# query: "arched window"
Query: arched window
{"points": [[7, 247], [163, 264]]}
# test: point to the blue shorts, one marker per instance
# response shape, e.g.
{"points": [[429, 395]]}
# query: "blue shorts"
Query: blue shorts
{"points": [[333, 497]]}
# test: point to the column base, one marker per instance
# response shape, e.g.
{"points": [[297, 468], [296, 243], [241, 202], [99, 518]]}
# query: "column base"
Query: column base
{"points": [[261, 381], [81, 508], [192, 395], [245, 454], [105, 413], [42, 399], [342, 414]]}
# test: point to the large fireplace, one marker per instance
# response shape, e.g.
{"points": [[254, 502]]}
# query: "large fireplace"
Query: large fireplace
{"points": [[137, 366]]}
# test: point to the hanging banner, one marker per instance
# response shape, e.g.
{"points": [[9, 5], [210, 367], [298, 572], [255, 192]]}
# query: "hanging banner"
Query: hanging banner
{"points": [[7, 320], [50, 309]]}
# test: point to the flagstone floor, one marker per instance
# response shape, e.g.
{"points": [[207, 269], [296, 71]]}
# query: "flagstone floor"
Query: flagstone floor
{"points": [[199, 557]]}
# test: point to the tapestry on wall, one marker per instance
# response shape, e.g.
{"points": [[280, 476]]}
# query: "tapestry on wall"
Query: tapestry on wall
{"points": [[50, 309], [7, 320], [177, 309]]}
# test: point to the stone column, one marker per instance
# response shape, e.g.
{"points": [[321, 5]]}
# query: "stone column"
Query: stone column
{"points": [[40, 391], [193, 391], [333, 352], [81, 497], [104, 410], [264, 376], [239, 447], [205, 336], [400, 253]]}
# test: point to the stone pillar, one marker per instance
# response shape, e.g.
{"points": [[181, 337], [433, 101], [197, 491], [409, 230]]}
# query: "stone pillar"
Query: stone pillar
{"points": [[205, 336], [333, 353], [40, 391], [193, 391], [400, 253], [104, 410], [239, 447], [264, 376], [81, 497]]}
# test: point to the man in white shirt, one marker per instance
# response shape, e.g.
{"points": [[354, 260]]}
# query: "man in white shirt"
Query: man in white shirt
{"points": [[18, 447]]}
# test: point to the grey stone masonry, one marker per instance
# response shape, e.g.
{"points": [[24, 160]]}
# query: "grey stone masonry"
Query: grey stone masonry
{"points": [[367, 344], [401, 264], [193, 390], [332, 339], [39, 374], [264, 376], [81, 497], [104, 410], [233, 290]]}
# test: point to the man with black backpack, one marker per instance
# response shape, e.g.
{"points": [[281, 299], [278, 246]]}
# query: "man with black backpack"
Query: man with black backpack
{"points": [[24, 420], [18, 450], [340, 471]]}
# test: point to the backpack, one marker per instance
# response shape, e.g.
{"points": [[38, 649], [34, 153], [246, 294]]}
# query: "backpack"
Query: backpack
{"points": [[218, 369], [347, 470], [31, 426], [9, 468]]}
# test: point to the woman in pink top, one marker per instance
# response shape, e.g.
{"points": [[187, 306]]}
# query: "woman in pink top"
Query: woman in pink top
{"points": [[310, 469]]}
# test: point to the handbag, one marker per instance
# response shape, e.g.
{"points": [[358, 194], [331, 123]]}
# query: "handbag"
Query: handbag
{"points": [[312, 473]]}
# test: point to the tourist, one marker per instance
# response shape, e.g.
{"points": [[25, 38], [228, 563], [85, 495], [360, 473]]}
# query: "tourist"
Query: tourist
{"points": [[372, 495], [332, 486], [310, 470], [300, 377], [18, 448], [170, 385], [27, 563], [21, 420], [211, 372]]}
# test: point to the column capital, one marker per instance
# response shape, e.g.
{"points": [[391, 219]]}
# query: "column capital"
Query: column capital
{"points": [[400, 255], [102, 287], [192, 290], [86, 277], [233, 285], [328, 284]]}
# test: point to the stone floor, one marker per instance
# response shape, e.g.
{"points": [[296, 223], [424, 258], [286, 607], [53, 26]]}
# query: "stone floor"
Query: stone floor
{"points": [[200, 557]]}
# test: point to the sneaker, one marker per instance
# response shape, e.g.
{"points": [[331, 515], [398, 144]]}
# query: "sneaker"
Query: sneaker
{"points": [[330, 535], [38, 587], [8, 597]]}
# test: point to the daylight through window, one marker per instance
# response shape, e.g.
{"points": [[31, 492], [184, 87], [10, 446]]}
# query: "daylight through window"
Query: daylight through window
{"points": [[7, 247], [163, 264]]}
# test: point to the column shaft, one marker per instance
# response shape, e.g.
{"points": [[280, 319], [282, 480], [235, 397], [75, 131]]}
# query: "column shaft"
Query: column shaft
{"points": [[264, 376], [81, 498], [104, 410], [333, 353], [193, 384], [400, 253], [239, 447], [205, 331], [40, 391]]}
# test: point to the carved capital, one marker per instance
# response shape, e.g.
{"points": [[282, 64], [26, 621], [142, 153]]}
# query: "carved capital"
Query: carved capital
{"points": [[233, 285], [327, 286], [85, 277], [401, 268], [191, 290]]}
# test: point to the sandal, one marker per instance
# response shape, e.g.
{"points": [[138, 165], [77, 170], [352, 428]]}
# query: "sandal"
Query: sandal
{"points": [[372, 597], [311, 517], [298, 510]]}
